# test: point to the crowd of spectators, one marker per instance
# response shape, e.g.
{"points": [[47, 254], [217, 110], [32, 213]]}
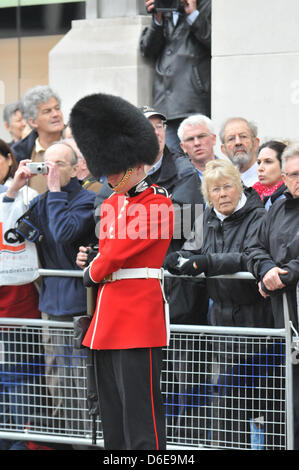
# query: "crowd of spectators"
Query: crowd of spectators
{"points": [[249, 196]]}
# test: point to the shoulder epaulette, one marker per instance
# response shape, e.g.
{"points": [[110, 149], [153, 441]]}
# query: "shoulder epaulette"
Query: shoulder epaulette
{"points": [[160, 190]]}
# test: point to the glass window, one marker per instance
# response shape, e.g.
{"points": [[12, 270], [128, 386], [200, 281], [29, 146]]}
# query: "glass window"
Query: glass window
{"points": [[29, 29]]}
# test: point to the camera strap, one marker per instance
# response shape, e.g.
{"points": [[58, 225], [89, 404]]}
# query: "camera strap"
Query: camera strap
{"points": [[26, 228], [14, 235]]}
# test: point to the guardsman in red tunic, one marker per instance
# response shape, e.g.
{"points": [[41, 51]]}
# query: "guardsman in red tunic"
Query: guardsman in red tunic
{"points": [[130, 325]]}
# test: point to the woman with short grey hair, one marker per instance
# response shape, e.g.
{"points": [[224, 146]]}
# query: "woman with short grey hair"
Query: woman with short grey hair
{"points": [[217, 170]]}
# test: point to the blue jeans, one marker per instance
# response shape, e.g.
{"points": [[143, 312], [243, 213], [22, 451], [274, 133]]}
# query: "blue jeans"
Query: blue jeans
{"points": [[7, 444]]}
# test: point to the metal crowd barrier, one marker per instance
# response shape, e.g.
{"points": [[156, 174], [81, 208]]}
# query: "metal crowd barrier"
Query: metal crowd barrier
{"points": [[223, 387]]}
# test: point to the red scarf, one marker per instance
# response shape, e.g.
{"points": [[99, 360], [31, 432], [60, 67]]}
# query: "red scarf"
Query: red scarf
{"points": [[266, 189]]}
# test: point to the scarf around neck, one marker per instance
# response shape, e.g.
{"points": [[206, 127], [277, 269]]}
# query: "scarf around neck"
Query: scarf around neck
{"points": [[266, 189]]}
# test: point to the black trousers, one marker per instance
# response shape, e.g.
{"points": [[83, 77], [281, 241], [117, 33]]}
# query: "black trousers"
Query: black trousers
{"points": [[128, 384]]}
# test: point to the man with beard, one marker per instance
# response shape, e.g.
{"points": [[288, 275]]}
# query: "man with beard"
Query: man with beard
{"points": [[240, 143]]}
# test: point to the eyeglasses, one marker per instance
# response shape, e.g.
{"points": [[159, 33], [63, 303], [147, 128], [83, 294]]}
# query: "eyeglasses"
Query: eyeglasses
{"points": [[199, 137], [292, 176], [217, 189], [62, 164], [159, 127]]}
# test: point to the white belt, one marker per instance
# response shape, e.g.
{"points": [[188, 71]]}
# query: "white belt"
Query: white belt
{"points": [[144, 273], [136, 273]]}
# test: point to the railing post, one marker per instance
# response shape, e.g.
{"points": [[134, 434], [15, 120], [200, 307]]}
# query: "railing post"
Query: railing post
{"points": [[289, 376]]}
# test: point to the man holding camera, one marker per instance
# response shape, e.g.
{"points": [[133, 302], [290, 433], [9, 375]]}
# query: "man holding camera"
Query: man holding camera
{"points": [[179, 42], [64, 217]]}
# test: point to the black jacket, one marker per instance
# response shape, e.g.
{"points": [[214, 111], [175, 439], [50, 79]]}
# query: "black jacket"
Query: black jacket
{"points": [[235, 302], [179, 177], [277, 244], [182, 56], [275, 196], [188, 299]]}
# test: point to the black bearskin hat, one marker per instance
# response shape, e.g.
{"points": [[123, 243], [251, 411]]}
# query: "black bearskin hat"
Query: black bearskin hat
{"points": [[112, 134]]}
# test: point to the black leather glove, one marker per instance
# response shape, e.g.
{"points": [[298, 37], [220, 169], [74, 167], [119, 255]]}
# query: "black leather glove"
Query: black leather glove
{"points": [[176, 263], [171, 261], [195, 265]]}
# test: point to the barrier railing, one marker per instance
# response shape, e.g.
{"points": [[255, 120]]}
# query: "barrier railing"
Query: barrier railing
{"points": [[223, 387]]}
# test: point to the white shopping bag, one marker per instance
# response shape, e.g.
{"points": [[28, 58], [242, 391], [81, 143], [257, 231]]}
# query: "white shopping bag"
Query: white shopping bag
{"points": [[18, 261]]}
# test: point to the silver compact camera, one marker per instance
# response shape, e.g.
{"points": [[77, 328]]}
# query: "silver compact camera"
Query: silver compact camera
{"points": [[37, 168]]}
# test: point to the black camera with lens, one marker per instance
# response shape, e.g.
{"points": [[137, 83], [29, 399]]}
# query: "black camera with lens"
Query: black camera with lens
{"points": [[167, 5], [26, 229], [92, 253]]}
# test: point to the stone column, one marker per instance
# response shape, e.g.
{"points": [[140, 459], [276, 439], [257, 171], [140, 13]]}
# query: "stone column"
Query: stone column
{"points": [[102, 55], [255, 64]]}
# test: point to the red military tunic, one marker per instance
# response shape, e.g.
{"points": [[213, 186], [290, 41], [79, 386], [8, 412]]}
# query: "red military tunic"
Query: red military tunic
{"points": [[135, 233]]}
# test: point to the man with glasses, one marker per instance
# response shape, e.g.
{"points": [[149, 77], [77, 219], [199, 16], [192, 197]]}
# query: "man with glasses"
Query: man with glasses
{"points": [[197, 140], [158, 121], [64, 216], [240, 143], [274, 256], [188, 300], [171, 170]]}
